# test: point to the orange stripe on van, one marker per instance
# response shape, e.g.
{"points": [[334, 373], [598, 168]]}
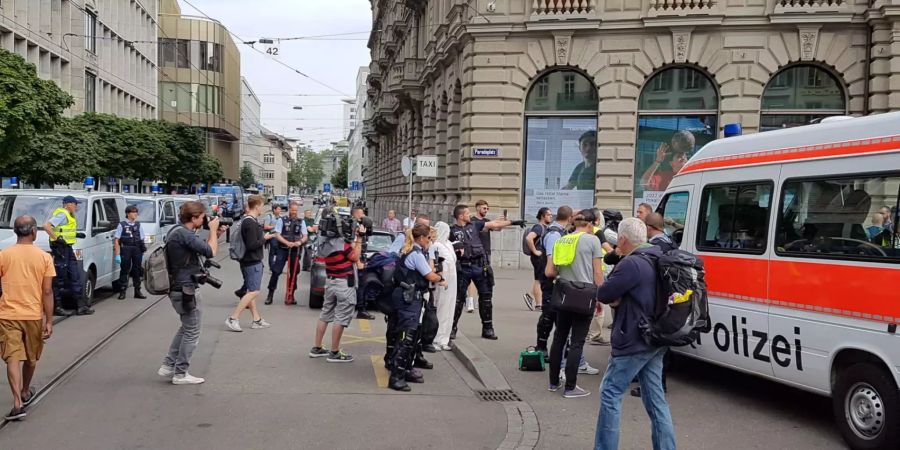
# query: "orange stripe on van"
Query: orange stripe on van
{"points": [[830, 150], [851, 291]]}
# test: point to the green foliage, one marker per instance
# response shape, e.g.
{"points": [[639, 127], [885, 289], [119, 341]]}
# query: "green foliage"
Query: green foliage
{"points": [[29, 106], [248, 179], [307, 173], [339, 179], [67, 154]]}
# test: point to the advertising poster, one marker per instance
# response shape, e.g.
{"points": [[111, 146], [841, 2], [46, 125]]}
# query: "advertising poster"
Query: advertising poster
{"points": [[664, 146], [560, 163]]}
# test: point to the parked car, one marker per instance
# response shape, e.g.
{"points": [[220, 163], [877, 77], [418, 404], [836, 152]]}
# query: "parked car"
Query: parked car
{"points": [[157, 215], [97, 217]]}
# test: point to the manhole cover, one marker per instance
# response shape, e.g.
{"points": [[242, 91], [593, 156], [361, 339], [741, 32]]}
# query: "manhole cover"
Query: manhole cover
{"points": [[502, 395]]}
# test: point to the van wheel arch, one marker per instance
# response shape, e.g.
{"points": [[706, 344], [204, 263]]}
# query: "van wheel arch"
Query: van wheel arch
{"points": [[862, 383]]}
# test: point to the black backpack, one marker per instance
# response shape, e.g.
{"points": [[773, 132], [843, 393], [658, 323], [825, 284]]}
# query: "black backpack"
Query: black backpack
{"points": [[538, 241], [678, 324]]}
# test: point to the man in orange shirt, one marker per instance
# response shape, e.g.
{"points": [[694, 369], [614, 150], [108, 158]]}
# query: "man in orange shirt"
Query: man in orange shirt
{"points": [[26, 311]]}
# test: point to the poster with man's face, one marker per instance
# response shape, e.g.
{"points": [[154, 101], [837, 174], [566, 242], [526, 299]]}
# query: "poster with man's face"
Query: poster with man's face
{"points": [[664, 146]]}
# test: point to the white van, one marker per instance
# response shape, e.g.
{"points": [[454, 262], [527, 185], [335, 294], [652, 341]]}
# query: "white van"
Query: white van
{"points": [[798, 229], [156, 213], [97, 217]]}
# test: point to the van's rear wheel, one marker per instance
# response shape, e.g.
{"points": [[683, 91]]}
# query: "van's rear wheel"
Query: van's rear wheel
{"points": [[87, 288], [866, 406]]}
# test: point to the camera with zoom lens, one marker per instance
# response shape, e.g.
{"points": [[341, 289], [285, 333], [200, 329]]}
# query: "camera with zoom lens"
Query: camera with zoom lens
{"points": [[334, 226], [223, 222], [205, 277]]}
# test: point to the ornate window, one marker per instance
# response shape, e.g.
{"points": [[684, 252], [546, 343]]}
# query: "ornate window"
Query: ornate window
{"points": [[800, 95]]}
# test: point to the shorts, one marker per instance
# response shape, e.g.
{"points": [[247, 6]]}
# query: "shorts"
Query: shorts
{"points": [[21, 340], [253, 276], [339, 302], [538, 263]]}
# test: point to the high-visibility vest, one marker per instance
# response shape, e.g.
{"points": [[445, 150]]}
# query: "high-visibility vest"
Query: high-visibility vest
{"points": [[602, 251], [67, 230], [564, 249]]}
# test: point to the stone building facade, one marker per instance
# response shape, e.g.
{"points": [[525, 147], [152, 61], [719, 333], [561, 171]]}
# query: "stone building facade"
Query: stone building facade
{"points": [[506, 92]]}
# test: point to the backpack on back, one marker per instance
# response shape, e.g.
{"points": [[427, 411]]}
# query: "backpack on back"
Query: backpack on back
{"points": [[237, 248], [538, 241], [682, 310], [156, 269]]}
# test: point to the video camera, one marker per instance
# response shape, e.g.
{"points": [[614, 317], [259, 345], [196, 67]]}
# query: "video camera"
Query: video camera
{"points": [[205, 277]]}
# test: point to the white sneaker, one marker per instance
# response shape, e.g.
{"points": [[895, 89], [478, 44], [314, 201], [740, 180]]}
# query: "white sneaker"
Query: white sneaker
{"points": [[586, 369], [470, 304], [444, 347], [186, 379], [233, 324], [259, 324], [165, 371]]}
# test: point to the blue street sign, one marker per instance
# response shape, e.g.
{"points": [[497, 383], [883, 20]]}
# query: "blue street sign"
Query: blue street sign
{"points": [[326, 187], [126, 189], [485, 152], [13, 181]]}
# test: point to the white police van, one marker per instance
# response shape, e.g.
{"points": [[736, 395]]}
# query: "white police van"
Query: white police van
{"points": [[156, 213], [97, 216], [798, 229]]}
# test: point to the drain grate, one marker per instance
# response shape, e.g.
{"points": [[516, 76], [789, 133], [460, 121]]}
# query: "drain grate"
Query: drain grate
{"points": [[498, 395]]}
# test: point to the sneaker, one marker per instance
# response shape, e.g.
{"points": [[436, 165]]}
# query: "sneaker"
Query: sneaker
{"points": [[586, 369], [318, 352], [636, 392], [233, 324], [553, 387], [529, 301], [599, 340], [166, 371], [446, 348], [339, 357], [259, 324], [15, 414], [470, 305], [186, 379], [575, 393]]}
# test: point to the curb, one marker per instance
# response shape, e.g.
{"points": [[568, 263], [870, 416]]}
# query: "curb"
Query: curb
{"points": [[523, 430]]}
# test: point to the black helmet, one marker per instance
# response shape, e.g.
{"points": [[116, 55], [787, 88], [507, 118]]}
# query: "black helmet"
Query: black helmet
{"points": [[612, 217]]}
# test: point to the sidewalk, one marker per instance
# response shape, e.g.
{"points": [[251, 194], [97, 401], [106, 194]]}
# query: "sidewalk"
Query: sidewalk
{"points": [[704, 399]]}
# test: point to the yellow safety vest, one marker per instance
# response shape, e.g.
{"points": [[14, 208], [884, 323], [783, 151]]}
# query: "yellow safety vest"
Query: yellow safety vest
{"points": [[564, 249], [602, 251], [67, 231]]}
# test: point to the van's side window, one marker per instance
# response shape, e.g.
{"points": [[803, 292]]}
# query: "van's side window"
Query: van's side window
{"points": [[734, 218], [840, 218], [112, 212], [674, 209], [97, 216]]}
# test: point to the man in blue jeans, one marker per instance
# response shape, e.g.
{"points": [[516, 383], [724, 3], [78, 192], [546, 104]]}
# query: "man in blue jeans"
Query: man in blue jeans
{"points": [[631, 289]]}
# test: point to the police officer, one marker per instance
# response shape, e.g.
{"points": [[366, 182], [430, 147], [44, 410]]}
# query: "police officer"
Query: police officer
{"points": [[474, 263], [129, 249], [412, 278], [290, 233], [61, 229]]}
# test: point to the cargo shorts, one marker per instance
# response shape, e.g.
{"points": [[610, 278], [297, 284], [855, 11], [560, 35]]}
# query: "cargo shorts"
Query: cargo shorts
{"points": [[339, 302], [21, 340]]}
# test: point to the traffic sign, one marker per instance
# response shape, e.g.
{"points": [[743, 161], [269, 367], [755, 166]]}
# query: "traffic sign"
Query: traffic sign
{"points": [[427, 166], [406, 166], [326, 187]]}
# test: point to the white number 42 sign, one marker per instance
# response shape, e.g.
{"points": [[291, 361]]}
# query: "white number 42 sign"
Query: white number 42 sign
{"points": [[271, 46]]}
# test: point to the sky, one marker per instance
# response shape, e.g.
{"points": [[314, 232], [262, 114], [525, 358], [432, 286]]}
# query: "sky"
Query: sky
{"points": [[332, 61]]}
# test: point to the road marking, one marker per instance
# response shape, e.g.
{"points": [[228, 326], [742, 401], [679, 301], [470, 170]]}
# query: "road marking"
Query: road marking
{"points": [[351, 339], [381, 374], [365, 326]]}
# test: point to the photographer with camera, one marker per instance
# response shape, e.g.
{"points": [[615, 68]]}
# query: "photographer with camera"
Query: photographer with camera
{"points": [[254, 240], [183, 251], [341, 247]]}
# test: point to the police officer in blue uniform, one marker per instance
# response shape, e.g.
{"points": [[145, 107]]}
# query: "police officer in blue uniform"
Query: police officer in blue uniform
{"points": [[412, 278], [129, 248], [473, 261], [290, 233]]}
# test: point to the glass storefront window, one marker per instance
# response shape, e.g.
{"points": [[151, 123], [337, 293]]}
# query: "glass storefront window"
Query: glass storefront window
{"points": [[678, 115], [560, 166], [801, 95]]}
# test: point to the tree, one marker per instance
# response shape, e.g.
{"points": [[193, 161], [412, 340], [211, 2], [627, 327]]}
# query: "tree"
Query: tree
{"points": [[339, 179], [248, 179], [29, 106], [307, 172], [67, 154]]}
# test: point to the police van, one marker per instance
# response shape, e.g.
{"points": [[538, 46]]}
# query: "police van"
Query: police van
{"points": [[798, 229], [156, 213], [98, 215]]}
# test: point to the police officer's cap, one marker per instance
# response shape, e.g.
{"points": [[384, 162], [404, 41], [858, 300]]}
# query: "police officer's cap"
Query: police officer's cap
{"points": [[70, 199]]}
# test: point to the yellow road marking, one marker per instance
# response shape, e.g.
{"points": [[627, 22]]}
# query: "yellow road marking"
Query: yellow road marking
{"points": [[381, 374], [365, 326], [351, 339]]}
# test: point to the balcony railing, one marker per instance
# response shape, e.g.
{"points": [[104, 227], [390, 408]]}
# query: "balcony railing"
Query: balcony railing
{"points": [[811, 6], [681, 7], [563, 9]]}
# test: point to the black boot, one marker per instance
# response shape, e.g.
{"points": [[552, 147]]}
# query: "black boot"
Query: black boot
{"points": [[415, 376], [390, 347], [363, 314], [269, 297], [486, 311], [122, 294], [138, 294], [402, 359], [422, 363]]}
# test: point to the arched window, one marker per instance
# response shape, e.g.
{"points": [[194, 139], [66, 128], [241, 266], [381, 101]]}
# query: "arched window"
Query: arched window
{"points": [[677, 114], [801, 95], [560, 166]]}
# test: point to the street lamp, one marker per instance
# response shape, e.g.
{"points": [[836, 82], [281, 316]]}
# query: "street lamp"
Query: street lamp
{"points": [[298, 107]]}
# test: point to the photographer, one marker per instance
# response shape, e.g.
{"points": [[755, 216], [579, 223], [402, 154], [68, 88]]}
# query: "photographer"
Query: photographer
{"points": [[183, 251]]}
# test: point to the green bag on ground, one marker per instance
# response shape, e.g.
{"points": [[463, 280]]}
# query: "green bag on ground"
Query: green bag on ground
{"points": [[531, 360]]}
